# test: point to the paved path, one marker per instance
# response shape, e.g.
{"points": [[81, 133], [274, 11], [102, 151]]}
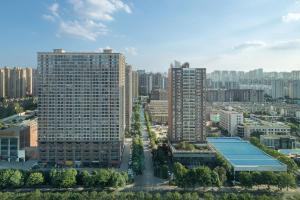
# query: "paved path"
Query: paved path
{"points": [[147, 178]]}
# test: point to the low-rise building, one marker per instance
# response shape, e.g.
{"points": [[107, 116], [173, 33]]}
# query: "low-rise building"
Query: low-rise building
{"points": [[278, 141], [263, 127], [158, 111], [18, 138]]}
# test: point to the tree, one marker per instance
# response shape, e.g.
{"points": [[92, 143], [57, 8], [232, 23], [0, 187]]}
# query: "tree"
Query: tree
{"points": [[18, 108], [117, 180], [35, 179], [268, 178], [285, 179], [203, 176], [245, 179], [102, 177], [180, 172], [86, 179], [222, 174], [63, 178], [215, 180], [10, 178]]}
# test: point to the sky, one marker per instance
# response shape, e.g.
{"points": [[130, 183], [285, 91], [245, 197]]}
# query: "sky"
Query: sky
{"points": [[216, 34]]}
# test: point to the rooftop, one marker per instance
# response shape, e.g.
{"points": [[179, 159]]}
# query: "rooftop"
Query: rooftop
{"points": [[243, 156]]}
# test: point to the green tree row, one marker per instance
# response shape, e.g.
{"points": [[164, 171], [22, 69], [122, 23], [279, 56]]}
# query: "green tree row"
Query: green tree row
{"points": [[280, 180], [137, 155], [63, 178], [198, 177], [37, 195], [152, 135], [11, 107], [291, 164], [136, 124]]}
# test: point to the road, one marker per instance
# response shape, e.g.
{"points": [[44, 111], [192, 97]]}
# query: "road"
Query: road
{"points": [[126, 154], [147, 179]]}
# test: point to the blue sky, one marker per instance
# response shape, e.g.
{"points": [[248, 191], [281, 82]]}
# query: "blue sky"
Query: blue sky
{"points": [[216, 34]]}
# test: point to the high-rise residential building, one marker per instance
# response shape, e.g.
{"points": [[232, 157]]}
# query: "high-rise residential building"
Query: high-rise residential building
{"points": [[145, 82], [135, 85], [81, 109], [294, 89], [128, 95], [157, 81], [277, 89], [34, 82], [186, 103], [16, 82], [2, 83], [229, 120]]}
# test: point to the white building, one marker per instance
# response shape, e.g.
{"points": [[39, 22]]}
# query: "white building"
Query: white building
{"points": [[277, 90], [229, 120], [81, 107]]}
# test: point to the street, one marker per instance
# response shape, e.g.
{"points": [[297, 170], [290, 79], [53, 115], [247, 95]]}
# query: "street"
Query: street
{"points": [[147, 178]]}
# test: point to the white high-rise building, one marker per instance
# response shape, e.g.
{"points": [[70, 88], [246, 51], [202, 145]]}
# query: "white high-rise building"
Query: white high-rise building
{"points": [[81, 107], [229, 120], [186, 103], [277, 90]]}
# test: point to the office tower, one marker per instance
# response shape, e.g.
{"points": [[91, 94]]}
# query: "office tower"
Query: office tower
{"points": [[186, 103], [135, 85], [2, 83], [277, 89], [81, 107], [128, 95], [294, 89]]}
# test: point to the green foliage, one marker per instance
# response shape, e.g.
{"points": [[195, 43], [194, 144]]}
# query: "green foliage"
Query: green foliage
{"points": [[137, 155], [291, 164], [63, 178], [281, 179], [160, 162], [10, 178], [245, 179], [8, 107], [286, 180], [200, 176], [221, 171], [37, 195], [35, 179], [186, 146]]}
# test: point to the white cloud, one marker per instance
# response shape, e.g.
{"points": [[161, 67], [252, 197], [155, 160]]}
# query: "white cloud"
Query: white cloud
{"points": [[85, 18], [99, 9], [49, 18], [249, 44], [131, 51], [291, 17], [54, 9], [89, 30]]}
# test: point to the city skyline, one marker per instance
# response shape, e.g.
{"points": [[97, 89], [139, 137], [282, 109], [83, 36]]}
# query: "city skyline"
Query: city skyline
{"points": [[208, 34]]}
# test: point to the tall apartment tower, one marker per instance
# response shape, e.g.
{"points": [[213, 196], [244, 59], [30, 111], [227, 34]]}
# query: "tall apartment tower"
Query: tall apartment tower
{"points": [[186, 103], [277, 89], [135, 85], [15, 82], [2, 83], [128, 95], [81, 107]]}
